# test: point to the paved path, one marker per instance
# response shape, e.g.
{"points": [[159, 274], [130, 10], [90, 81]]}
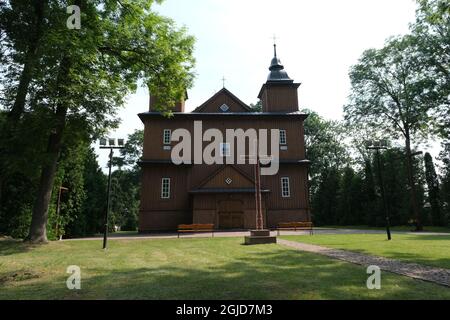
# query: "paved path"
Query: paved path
{"points": [[137, 236], [413, 270]]}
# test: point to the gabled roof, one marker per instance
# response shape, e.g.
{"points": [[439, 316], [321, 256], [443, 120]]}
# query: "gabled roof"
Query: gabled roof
{"points": [[215, 181], [224, 91]]}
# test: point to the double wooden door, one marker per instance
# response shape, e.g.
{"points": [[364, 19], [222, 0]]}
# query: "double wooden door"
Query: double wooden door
{"points": [[231, 214]]}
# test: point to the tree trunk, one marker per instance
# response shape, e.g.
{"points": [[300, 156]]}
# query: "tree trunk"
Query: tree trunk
{"points": [[38, 227], [412, 184]]}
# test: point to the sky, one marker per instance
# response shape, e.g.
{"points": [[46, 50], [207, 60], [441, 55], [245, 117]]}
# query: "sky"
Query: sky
{"points": [[317, 41]]}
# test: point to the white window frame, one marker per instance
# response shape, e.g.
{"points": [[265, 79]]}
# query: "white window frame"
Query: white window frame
{"points": [[165, 188], [283, 137], [167, 139], [227, 149], [285, 187]]}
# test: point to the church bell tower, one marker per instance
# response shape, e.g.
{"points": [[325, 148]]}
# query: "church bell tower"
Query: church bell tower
{"points": [[279, 93]]}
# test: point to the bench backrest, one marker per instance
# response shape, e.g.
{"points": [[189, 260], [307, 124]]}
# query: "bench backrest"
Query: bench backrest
{"points": [[195, 226], [295, 225]]}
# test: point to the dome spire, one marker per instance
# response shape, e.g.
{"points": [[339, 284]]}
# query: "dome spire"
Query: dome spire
{"points": [[277, 72]]}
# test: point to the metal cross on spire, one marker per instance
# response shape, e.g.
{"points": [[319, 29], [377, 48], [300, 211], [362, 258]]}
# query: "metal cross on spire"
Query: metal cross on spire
{"points": [[275, 44], [223, 81]]}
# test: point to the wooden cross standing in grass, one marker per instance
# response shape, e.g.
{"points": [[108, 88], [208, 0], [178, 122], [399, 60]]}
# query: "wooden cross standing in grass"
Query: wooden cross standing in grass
{"points": [[257, 172]]}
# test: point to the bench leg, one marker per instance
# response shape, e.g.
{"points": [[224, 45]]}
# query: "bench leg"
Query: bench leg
{"points": [[213, 234], [278, 232], [178, 235]]}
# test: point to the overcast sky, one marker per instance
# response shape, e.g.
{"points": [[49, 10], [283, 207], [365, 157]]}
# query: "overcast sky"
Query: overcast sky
{"points": [[318, 41]]}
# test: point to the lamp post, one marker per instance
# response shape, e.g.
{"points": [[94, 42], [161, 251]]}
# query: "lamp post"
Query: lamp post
{"points": [[111, 146], [377, 146]]}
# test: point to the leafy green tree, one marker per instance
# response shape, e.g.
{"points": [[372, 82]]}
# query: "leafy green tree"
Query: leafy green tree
{"points": [[84, 75], [325, 200], [432, 36], [433, 191], [125, 199], [388, 93], [324, 146], [351, 199], [257, 107], [444, 156], [371, 203]]}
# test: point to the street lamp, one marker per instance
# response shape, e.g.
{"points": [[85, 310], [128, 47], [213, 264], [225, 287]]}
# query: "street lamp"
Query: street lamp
{"points": [[111, 145], [377, 146]]}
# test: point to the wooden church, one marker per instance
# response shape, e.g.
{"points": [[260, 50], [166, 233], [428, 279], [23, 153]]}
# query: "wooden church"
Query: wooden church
{"points": [[224, 194]]}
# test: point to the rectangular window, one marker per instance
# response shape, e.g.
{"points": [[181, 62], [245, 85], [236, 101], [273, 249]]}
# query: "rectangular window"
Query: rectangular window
{"points": [[283, 139], [166, 136], [225, 150], [165, 188], [285, 188]]}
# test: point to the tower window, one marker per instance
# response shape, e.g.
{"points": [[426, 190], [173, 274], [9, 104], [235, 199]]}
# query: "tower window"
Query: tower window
{"points": [[224, 108], [285, 187], [283, 139], [165, 188], [167, 136], [225, 150]]}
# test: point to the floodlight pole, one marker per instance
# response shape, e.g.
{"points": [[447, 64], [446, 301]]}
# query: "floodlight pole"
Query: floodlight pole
{"points": [[383, 196], [111, 147], [108, 200]]}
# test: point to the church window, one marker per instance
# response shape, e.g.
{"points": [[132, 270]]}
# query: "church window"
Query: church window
{"points": [[166, 136], [165, 188], [283, 139], [285, 187], [225, 150]]}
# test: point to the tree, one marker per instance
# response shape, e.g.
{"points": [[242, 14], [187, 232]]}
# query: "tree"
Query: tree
{"points": [[324, 146], [388, 93], [444, 156], [433, 191], [257, 107], [432, 36], [351, 198], [84, 75], [325, 200]]}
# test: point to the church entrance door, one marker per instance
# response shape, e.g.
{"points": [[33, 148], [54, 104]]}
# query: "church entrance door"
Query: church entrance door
{"points": [[231, 214]]}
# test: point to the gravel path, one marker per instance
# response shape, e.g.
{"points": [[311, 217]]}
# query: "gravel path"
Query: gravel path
{"points": [[413, 270]]}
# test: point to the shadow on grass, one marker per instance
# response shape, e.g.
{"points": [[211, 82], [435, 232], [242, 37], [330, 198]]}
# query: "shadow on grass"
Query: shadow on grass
{"points": [[269, 274], [10, 246]]}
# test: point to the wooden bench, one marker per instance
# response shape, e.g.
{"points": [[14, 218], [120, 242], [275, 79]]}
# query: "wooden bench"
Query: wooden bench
{"points": [[295, 226], [182, 228]]}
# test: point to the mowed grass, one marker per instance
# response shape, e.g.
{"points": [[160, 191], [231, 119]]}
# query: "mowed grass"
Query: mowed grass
{"points": [[203, 268], [433, 250], [395, 228]]}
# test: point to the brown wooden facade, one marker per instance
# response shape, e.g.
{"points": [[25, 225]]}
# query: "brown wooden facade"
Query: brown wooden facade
{"points": [[224, 194]]}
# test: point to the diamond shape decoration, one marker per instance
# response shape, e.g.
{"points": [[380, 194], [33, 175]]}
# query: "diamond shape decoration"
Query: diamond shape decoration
{"points": [[224, 107], [228, 181]]}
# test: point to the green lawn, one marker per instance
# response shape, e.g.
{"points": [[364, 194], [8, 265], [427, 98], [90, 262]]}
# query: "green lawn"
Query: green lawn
{"points": [[396, 228], [211, 268], [431, 250]]}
